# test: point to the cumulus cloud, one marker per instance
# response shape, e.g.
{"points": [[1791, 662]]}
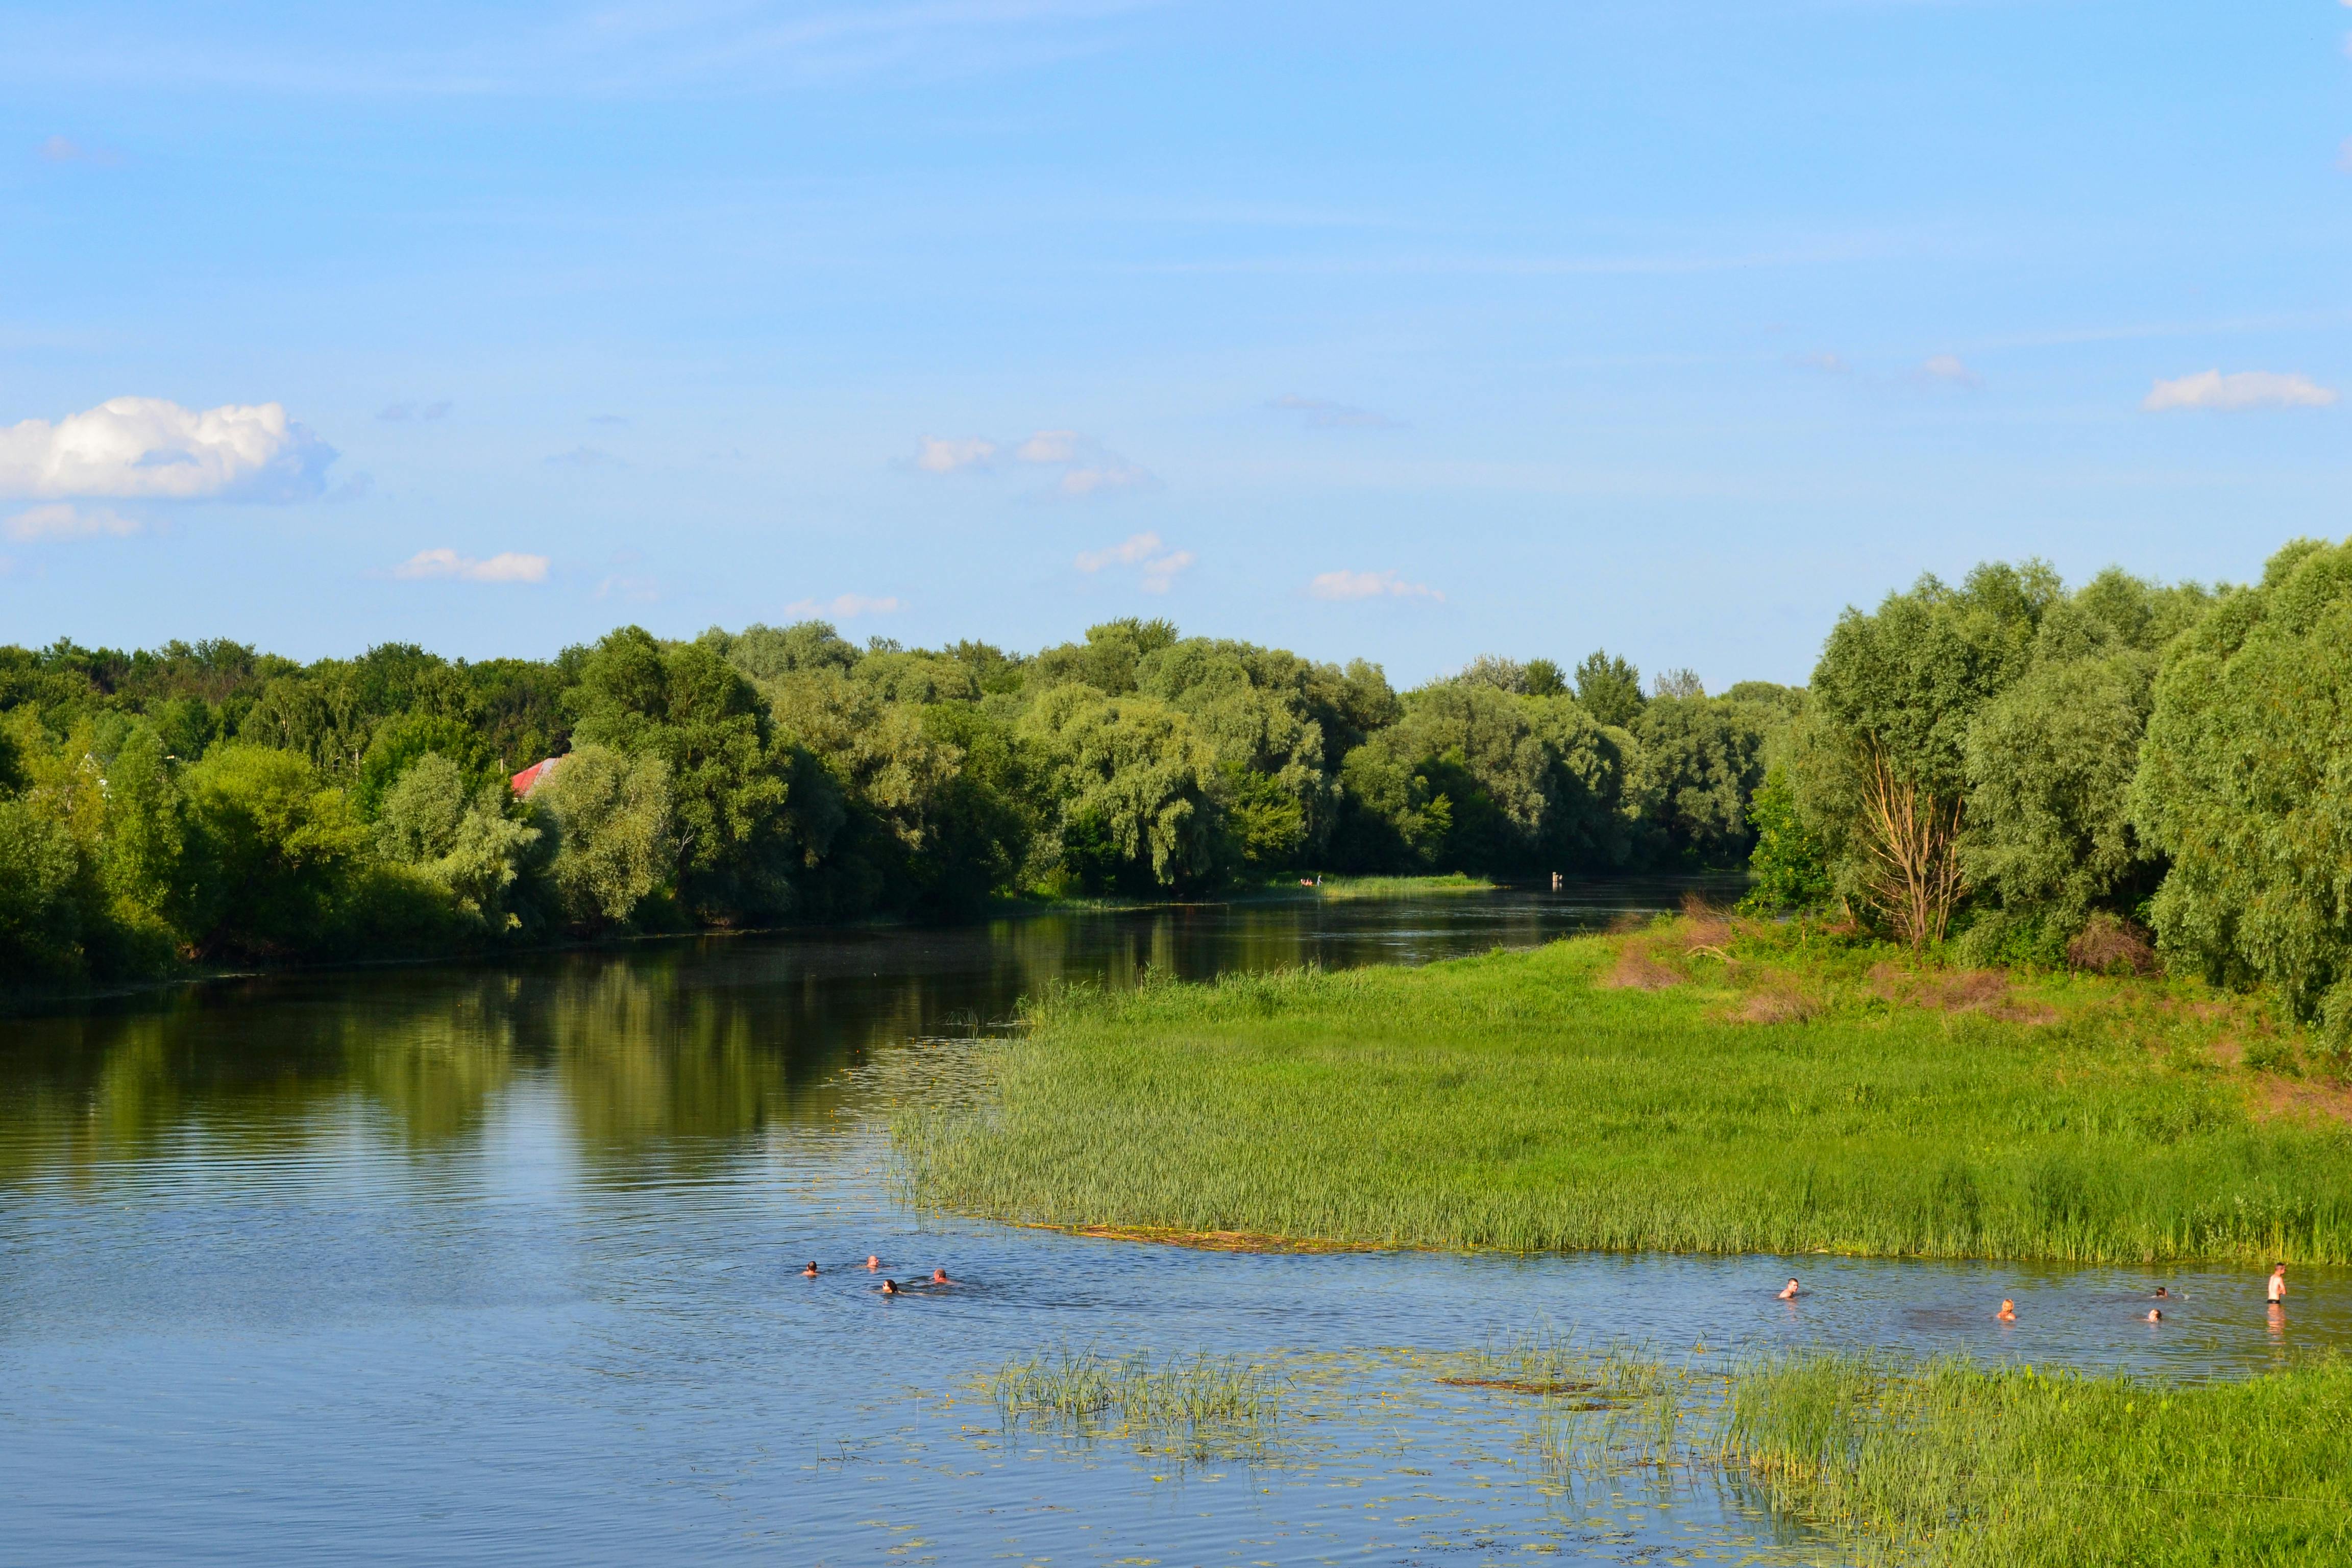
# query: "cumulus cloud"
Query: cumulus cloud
{"points": [[148, 449], [62, 520], [1344, 585], [845, 606], [1145, 551], [1324, 414], [1949, 369], [508, 566], [2239, 389], [951, 455]]}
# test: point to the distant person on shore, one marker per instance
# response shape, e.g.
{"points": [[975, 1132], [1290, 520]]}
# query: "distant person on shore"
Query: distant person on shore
{"points": [[811, 1270], [1789, 1291], [2278, 1285], [2007, 1313]]}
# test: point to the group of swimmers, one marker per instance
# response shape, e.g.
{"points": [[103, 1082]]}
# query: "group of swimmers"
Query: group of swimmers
{"points": [[2007, 1313], [890, 1287]]}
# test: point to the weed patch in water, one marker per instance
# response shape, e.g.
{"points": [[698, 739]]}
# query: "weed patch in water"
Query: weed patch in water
{"points": [[1201, 1409]]}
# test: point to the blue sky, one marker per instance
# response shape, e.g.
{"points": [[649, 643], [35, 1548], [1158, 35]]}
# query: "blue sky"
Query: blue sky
{"points": [[1402, 331]]}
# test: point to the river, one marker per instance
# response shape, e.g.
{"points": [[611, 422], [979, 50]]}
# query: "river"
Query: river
{"points": [[462, 1264]]}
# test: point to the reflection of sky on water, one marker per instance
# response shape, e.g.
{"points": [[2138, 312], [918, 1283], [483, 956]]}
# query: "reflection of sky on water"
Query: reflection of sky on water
{"points": [[440, 1265]]}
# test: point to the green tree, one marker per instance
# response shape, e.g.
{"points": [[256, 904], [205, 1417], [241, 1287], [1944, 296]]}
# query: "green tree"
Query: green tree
{"points": [[612, 816], [1134, 784], [1609, 688], [277, 852], [1700, 760], [1787, 869]]}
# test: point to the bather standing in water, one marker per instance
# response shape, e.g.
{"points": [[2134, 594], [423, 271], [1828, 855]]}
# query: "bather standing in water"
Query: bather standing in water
{"points": [[2278, 1285], [810, 1272], [2007, 1313], [1788, 1292]]}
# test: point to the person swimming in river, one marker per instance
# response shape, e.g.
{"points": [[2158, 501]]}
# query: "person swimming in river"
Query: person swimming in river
{"points": [[810, 1272], [2278, 1285], [2156, 1314], [940, 1276], [2162, 1294], [2007, 1313], [890, 1288], [1788, 1292], [873, 1261]]}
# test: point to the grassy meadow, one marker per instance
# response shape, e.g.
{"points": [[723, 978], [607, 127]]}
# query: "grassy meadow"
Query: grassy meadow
{"points": [[1698, 1085], [1959, 1465]]}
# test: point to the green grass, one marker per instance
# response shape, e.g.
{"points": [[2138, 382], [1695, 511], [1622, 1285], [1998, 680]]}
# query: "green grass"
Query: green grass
{"points": [[1203, 1408], [1953, 1464], [1513, 1102], [1399, 887]]}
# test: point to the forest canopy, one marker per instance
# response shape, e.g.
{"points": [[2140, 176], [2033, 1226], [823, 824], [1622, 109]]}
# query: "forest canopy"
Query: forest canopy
{"points": [[2021, 770]]}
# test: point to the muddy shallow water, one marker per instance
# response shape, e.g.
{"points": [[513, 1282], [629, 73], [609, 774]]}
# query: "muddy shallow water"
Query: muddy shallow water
{"points": [[457, 1264]]}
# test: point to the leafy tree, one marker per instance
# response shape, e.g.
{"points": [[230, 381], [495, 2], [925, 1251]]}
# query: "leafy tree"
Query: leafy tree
{"points": [[277, 851], [1609, 688], [41, 909], [1542, 677], [612, 816], [1787, 869], [1699, 761], [1136, 786], [2245, 782], [1106, 661]]}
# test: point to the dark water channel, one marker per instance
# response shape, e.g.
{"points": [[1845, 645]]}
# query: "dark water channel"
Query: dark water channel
{"points": [[464, 1264]]}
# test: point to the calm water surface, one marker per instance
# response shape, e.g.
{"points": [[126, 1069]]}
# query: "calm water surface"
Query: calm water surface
{"points": [[464, 1264]]}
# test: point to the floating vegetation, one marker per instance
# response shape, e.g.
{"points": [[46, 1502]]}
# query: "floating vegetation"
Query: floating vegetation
{"points": [[1201, 1409]]}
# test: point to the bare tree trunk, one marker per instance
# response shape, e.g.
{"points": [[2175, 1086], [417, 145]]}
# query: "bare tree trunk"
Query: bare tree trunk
{"points": [[1914, 837]]}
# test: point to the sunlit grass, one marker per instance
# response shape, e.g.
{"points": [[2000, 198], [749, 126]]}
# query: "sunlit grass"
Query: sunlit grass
{"points": [[1198, 1408], [1955, 1465], [1693, 1086]]}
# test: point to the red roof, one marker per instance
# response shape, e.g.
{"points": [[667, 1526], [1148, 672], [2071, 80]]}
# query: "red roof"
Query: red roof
{"points": [[525, 781]]}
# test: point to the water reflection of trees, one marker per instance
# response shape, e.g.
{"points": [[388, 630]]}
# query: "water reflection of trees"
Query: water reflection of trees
{"points": [[664, 1060]]}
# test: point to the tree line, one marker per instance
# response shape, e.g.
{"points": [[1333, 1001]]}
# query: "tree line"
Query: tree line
{"points": [[2011, 769]]}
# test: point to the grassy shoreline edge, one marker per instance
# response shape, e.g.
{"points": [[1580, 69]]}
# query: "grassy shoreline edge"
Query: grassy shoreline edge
{"points": [[1699, 1086]]}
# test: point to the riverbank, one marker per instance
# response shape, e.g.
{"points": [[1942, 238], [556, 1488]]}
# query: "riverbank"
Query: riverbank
{"points": [[1703, 1085]]}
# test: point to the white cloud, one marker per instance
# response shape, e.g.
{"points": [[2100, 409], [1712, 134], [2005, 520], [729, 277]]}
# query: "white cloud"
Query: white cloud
{"points": [[949, 455], [1159, 565], [1324, 414], [150, 449], [1950, 369], [60, 519], [1098, 479], [845, 606], [2240, 389], [1344, 585], [1050, 447], [508, 566]]}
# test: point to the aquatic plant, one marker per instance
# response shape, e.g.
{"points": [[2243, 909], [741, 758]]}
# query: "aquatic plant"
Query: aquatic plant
{"points": [[1770, 1093], [1198, 1408]]}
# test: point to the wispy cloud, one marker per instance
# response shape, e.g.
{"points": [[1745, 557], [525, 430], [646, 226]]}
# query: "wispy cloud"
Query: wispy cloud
{"points": [[1321, 414], [954, 454], [1345, 586], [151, 448], [1950, 370], [845, 606], [1146, 552], [396, 412], [63, 520], [586, 458], [508, 566], [2240, 389], [65, 150]]}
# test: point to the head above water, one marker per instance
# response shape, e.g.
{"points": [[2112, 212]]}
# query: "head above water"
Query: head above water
{"points": [[889, 1286], [812, 1268], [2008, 1309], [940, 1276], [2155, 1315], [873, 1261]]}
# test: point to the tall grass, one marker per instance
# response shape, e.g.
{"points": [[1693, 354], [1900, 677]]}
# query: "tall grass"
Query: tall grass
{"points": [[1958, 1466], [1201, 1409], [1689, 1095]]}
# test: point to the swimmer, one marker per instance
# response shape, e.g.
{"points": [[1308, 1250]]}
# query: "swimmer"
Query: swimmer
{"points": [[872, 1262], [1789, 1291], [940, 1276], [2278, 1285], [810, 1272], [2162, 1294], [2007, 1313], [890, 1288], [2155, 1315]]}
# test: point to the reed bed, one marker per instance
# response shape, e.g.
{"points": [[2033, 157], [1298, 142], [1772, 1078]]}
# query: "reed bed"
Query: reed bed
{"points": [[1765, 1095], [1203, 1408], [1956, 1466]]}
